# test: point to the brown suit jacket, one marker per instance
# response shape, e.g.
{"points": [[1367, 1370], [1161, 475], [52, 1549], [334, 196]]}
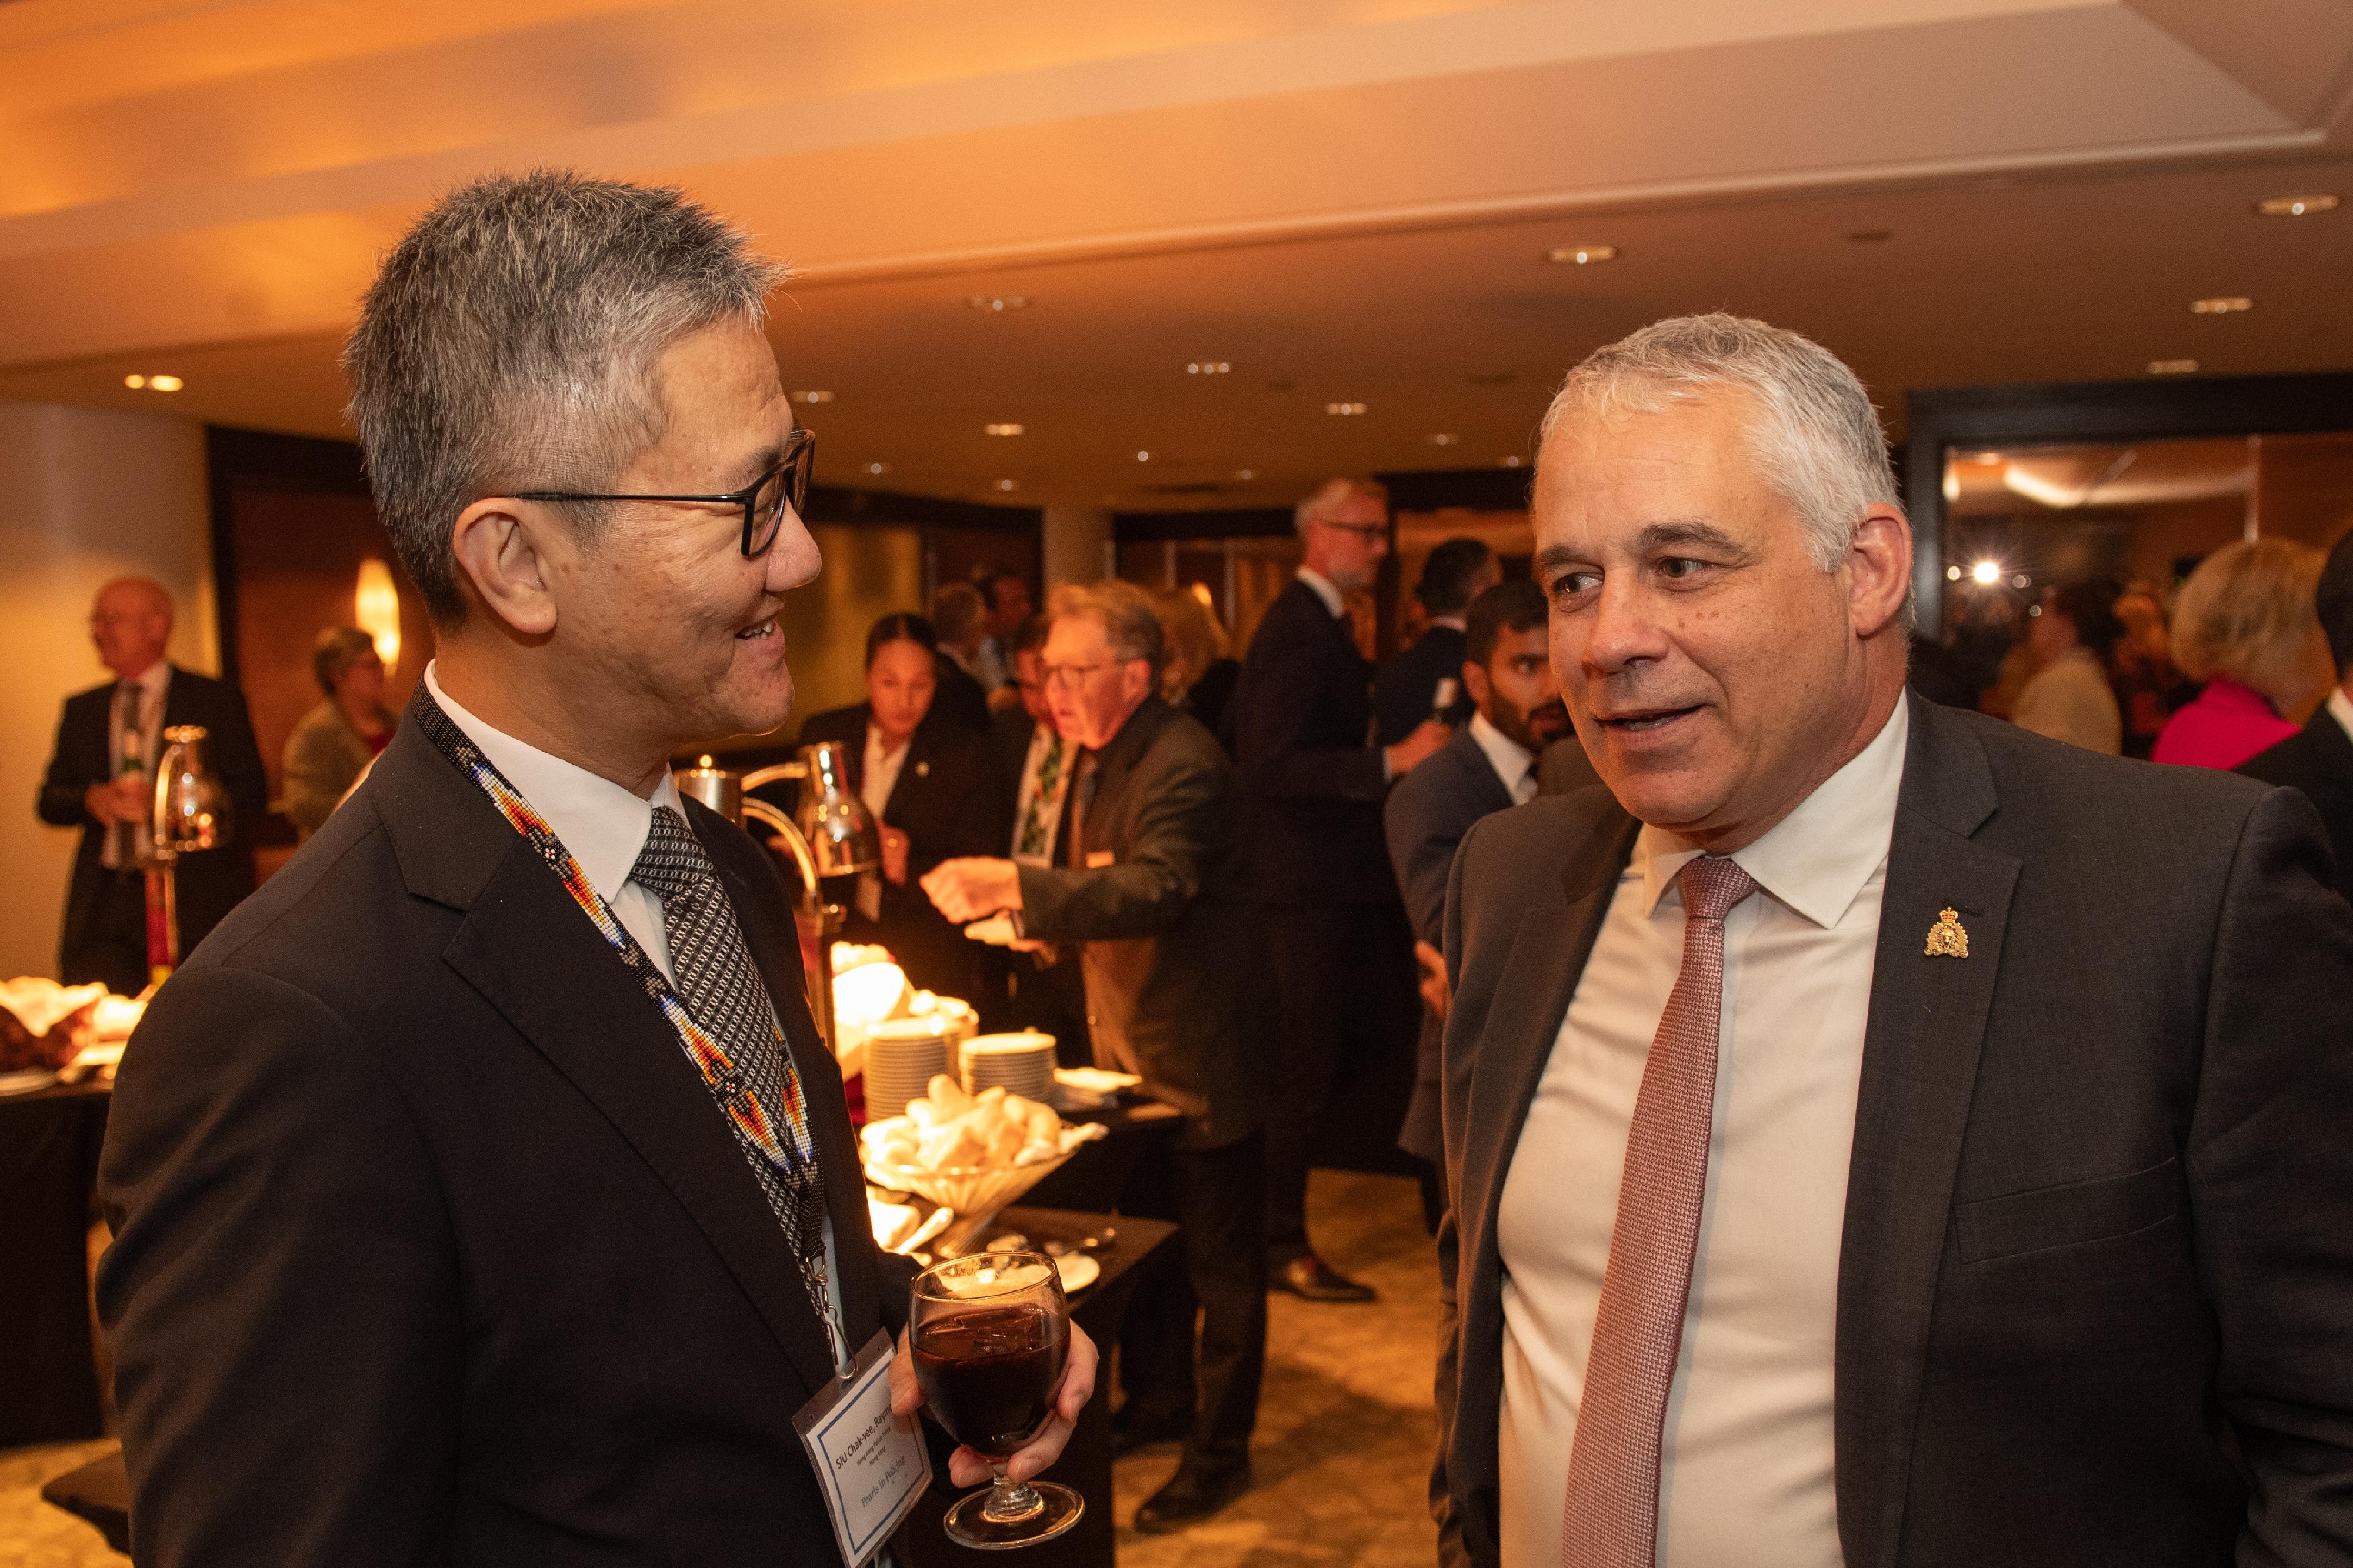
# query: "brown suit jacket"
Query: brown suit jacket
{"points": [[2096, 1290]]}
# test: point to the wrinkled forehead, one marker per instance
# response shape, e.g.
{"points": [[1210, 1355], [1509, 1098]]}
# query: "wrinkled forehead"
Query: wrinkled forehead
{"points": [[1603, 475], [1077, 636]]}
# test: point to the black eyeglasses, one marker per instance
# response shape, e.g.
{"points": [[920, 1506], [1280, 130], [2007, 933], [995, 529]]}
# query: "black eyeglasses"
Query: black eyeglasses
{"points": [[764, 501], [1368, 531]]}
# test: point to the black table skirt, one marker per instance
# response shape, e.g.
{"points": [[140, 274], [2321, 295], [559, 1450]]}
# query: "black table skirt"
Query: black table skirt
{"points": [[48, 1167]]}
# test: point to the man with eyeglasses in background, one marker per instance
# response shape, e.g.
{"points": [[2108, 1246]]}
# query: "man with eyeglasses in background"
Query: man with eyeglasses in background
{"points": [[482, 1192], [1334, 938]]}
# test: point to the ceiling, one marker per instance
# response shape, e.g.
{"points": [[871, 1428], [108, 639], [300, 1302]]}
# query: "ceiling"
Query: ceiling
{"points": [[1346, 201]]}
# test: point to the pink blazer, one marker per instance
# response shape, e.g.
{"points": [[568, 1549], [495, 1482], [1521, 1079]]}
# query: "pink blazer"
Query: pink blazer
{"points": [[2227, 724]]}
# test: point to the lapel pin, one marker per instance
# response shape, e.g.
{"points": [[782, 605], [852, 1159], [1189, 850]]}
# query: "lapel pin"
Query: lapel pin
{"points": [[922, 770], [1948, 938]]}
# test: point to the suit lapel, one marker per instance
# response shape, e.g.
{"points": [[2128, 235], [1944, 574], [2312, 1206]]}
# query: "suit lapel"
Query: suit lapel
{"points": [[1926, 1023]]}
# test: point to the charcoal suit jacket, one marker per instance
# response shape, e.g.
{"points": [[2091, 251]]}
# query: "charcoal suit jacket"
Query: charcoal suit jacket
{"points": [[2096, 1283], [431, 1245], [2317, 760]]}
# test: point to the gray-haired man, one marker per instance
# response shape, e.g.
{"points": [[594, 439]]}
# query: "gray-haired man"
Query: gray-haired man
{"points": [[1878, 1136], [481, 1190]]}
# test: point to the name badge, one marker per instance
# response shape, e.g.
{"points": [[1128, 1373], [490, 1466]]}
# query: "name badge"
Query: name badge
{"points": [[871, 1465], [1099, 859]]}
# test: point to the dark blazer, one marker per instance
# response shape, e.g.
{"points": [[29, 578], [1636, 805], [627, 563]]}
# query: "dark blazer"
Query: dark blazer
{"points": [[207, 884], [1006, 749], [421, 1212], [957, 699], [1428, 812], [1300, 720], [944, 804], [2093, 1298], [1159, 936], [1407, 685], [2320, 762], [1209, 698]]}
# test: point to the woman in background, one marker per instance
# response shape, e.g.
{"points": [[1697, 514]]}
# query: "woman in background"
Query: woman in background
{"points": [[335, 741], [1198, 677], [2244, 625], [924, 779]]}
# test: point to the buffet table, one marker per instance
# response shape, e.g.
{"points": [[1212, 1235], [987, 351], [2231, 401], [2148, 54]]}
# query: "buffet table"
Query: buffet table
{"points": [[48, 1167]]}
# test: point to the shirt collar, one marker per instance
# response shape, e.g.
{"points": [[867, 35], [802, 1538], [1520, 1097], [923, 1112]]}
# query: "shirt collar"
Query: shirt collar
{"points": [[1326, 590], [1451, 623], [602, 824], [2340, 707], [1510, 759], [152, 680], [1817, 858]]}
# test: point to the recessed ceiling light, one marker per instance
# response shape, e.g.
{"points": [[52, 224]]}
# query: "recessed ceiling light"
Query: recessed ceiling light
{"points": [[1580, 254], [2296, 207], [999, 301], [1009, 484], [154, 383], [134, 380], [1344, 408], [878, 467], [1444, 440], [1208, 367], [1244, 474], [2172, 367], [1002, 429], [813, 396], [1512, 461], [1143, 457], [1952, 574], [2222, 305], [1986, 573]]}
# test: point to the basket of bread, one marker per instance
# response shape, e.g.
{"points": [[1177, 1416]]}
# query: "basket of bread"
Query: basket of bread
{"points": [[971, 1153]]}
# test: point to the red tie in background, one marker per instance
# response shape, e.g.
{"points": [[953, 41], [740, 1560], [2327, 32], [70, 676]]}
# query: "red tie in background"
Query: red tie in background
{"points": [[1611, 1519]]}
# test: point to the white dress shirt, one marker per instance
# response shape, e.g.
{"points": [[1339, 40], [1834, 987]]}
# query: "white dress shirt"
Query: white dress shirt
{"points": [[1514, 763], [1748, 1457], [1326, 590], [877, 778], [2340, 707], [155, 685]]}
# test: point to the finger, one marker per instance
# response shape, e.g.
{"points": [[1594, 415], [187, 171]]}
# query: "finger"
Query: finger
{"points": [[906, 1393], [966, 1468], [1077, 1375], [1042, 1451]]}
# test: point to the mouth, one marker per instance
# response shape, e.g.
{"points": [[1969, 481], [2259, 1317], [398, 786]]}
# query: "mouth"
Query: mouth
{"points": [[1643, 721], [759, 631]]}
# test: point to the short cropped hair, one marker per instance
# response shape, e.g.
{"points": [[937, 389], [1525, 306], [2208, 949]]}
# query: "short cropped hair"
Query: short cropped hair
{"points": [[1125, 612], [1446, 577], [1331, 493], [901, 626], [508, 343], [1031, 635], [2333, 601], [2246, 614], [1813, 431], [957, 610], [2092, 606], [1517, 605], [332, 655]]}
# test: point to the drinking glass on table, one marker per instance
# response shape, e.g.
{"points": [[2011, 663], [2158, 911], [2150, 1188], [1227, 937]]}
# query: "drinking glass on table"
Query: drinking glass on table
{"points": [[990, 1334]]}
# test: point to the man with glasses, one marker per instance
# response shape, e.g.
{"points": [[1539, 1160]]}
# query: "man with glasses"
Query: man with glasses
{"points": [[1315, 865], [481, 1190], [1138, 884]]}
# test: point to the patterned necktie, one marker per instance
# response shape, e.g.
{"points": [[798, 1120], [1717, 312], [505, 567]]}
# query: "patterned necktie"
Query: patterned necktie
{"points": [[712, 972], [1045, 800], [1611, 1519], [123, 849], [1082, 796]]}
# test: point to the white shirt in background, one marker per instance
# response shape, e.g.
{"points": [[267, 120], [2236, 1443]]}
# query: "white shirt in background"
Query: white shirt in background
{"points": [[2340, 707], [1326, 590], [2070, 700], [878, 776], [1514, 763], [1747, 1458], [154, 686]]}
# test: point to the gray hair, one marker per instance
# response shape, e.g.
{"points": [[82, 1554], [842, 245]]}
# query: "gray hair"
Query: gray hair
{"points": [[1814, 433], [1126, 615], [1335, 492], [509, 340]]}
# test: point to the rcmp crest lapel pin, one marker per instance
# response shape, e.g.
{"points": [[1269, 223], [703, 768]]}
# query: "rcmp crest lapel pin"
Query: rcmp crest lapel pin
{"points": [[1948, 938]]}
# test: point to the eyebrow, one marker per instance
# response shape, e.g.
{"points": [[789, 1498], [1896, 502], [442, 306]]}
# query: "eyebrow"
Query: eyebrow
{"points": [[1656, 537]]}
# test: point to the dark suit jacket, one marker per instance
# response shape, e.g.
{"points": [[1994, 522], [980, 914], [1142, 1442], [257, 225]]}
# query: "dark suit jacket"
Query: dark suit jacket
{"points": [[1006, 749], [2320, 762], [2096, 1290], [1158, 933], [1404, 689], [957, 699], [430, 1243], [209, 883], [1428, 812], [944, 804], [1313, 787]]}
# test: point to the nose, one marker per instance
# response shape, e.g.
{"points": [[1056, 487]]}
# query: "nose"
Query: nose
{"points": [[1618, 634], [793, 560]]}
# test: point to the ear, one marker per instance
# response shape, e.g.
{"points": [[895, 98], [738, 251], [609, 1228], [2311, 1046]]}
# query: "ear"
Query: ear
{"points": [[1136, 683], [1475, 682], [1879, 570], [497, 543]]}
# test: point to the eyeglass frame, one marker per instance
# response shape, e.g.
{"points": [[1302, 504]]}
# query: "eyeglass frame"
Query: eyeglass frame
{"points": [[1368, 531], [799, 456]]}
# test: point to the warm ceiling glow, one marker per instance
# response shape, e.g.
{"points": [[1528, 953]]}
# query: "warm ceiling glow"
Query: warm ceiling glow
{"points": [[134, 380], [1985, 573], [1344, 408], [1201, 592], [1513, 462], [2296, 207], [1143, 457], [376, 610], [2173, 367], [1009, 484], [1952, 488], [999, 302], [1208, 367], [1002, 429], [1580, 254], [2222, 305], [1444, 440], [1244, 474], [165, 383], [813, 396], [878, 467]]}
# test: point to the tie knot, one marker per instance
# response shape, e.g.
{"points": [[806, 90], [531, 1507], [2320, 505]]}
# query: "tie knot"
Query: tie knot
{"points": [[1711, 885], [673, 859]]}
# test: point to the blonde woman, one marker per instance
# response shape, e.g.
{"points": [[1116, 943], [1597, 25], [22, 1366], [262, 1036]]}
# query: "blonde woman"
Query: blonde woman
{"points": [[2244, 625], [1199, 675]]}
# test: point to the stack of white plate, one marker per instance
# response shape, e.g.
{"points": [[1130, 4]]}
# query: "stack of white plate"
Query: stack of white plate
{"points": [[901, 1056], [1017, 1064]]}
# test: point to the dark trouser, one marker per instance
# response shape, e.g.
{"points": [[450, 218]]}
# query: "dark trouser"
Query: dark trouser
{"points": [[1216, 1197], [108, 941]]}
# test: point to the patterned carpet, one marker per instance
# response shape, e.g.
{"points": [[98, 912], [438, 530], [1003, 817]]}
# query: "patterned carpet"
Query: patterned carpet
{"points": [[1342, 1455]]}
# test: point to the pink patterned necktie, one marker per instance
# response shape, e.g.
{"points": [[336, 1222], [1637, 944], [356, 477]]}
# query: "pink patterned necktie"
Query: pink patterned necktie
{"points": [[1611, 1519]]}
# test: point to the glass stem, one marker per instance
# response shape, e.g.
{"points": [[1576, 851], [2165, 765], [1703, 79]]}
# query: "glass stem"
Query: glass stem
{"points": [[1010, 1502]]}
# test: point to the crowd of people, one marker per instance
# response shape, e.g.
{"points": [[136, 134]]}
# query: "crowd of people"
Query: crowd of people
{"points": [[1858, 1128]]}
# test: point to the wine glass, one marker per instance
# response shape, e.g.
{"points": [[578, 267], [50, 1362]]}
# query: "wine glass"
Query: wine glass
{"points": [[990, 1333]]}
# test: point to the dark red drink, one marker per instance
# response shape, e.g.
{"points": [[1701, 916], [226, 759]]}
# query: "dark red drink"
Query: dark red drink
{"points": [[989, 1373]]}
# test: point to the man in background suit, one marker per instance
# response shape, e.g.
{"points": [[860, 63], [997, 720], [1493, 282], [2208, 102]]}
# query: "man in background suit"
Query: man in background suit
{"points": [[1313, 863], [481, 1190], [1405, 692], [960, 618], [1880, 1136], [100, 779], [1491, 764], [1139, 886], [2320, 762]]}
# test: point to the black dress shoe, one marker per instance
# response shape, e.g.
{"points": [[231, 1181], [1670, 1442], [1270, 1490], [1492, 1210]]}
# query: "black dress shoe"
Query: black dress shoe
{"points": [[1191, 1494], [1127, 1436], [1308, 1275]]}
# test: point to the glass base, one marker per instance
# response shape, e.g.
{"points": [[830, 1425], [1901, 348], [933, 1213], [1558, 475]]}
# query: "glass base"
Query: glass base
{"points": [[1024, 1516]]}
